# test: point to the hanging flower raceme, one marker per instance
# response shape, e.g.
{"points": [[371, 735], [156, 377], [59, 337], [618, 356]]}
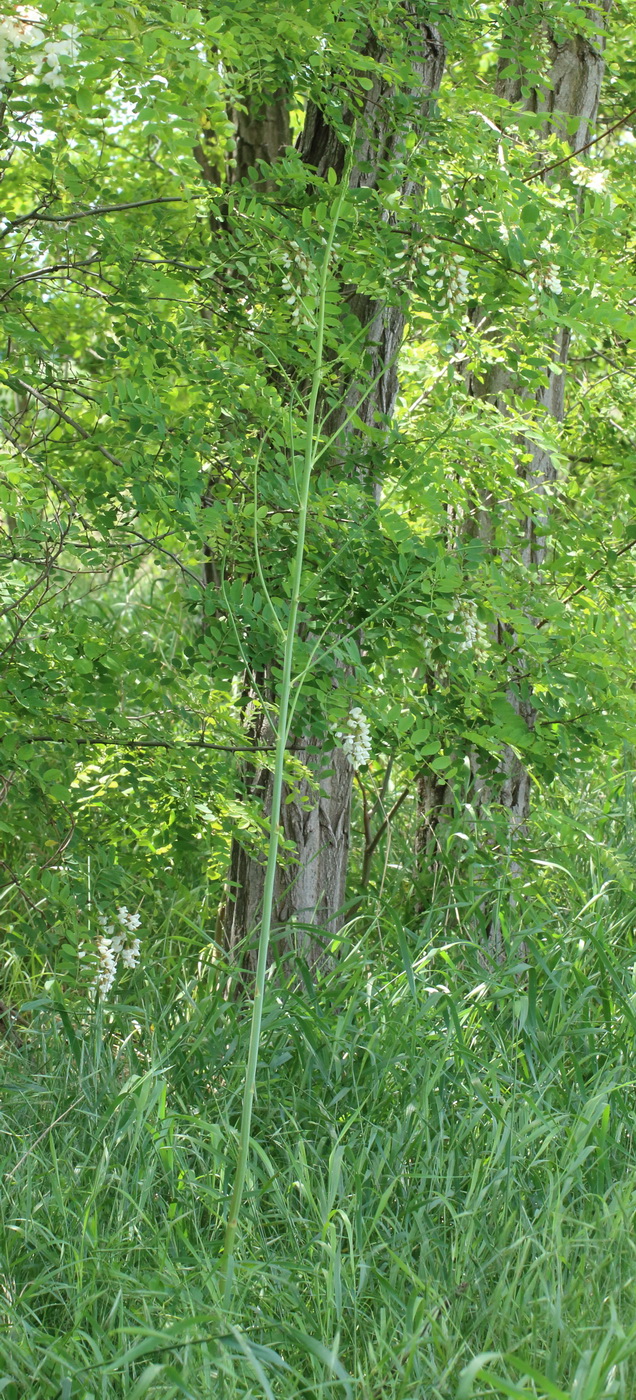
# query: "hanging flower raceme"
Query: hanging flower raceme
{"points": [[449, 278], [477, 637], [115, 943], [473, 632], [590, 178], [300, 284], [356, 738], [544, 281]]}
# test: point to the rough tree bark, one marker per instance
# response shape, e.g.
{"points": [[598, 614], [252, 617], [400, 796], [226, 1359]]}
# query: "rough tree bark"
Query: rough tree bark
{"points": [[315, 817], [262, 134], [573, 90]]}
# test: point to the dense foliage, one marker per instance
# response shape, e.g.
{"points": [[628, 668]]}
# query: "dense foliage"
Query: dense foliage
{"points": [[153, 382], [465, 614]]}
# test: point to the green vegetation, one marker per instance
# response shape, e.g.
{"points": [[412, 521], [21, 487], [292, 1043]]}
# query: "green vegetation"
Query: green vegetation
{"points": [[444, 1166], [317, 716]]}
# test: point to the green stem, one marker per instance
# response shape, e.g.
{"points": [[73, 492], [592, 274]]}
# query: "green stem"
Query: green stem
{"points": [[279, 764]]}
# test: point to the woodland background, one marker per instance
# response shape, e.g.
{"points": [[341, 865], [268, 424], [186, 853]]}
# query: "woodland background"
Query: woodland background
{"points": [[368, 268]]}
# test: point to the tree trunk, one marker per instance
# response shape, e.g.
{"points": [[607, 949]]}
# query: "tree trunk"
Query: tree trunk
{"points": [[573, 90], [316, 816], [311, 877], [262, 134]]}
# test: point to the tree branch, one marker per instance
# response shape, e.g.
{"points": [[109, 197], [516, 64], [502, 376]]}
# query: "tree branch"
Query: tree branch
{"points": [[53, 408], [590, 578], [37, 218], [126, 743], [48, 271], [579, 151]]}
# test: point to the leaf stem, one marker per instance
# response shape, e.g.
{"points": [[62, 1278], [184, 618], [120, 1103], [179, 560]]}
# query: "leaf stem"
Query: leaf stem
{"points": [[309, 458]]}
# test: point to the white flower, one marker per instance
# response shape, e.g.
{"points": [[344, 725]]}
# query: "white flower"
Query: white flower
{"points": [[54, 79], [130, 955], [115, 946], [14, 33], [590, 179], [544, 280], [451, 277], [552, 281], [108, 967], [10, 32], [475, 632], [47, 65], [128, 921], [356, 739]]}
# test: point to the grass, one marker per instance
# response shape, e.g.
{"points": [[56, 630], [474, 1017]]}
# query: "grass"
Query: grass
{"points": [[444, 1167]]}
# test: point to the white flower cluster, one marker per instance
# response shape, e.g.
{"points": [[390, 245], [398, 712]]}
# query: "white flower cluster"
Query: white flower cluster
{"points": [[53, 51], [590, 179], [449, 278], [112, 945], [474, 631], [544, 280], [300, 284], [24, 29], [356, 739]]}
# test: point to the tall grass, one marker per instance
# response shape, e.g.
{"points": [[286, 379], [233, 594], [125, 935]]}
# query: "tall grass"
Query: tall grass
{"points": [[443, 1166]]}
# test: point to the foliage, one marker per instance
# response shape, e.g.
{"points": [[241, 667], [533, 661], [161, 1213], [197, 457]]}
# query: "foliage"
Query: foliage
{"points": [[443, 1182], [153, 374], [444, 1142]]}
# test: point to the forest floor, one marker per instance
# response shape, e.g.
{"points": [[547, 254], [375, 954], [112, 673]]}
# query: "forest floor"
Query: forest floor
{"points": [[443, 1166]]}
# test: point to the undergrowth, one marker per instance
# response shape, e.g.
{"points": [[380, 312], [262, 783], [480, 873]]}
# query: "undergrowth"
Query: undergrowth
{"points": [[443, 1167]]}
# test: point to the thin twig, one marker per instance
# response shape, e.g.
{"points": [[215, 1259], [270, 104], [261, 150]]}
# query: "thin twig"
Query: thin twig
{"points": [[48, 271], [37, 218], [591, 577], [579, 151], [53, 408], [125, 743]]}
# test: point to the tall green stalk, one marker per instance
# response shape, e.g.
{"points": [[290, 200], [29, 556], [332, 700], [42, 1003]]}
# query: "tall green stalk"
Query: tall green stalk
{"points": [[279, 761]]}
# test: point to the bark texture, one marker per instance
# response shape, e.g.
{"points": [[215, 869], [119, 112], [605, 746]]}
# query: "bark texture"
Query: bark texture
{"points": [[315, 817], [574, 80], [573, 90], [432, 799], [312, 870], [262, 134], [380, 135]]}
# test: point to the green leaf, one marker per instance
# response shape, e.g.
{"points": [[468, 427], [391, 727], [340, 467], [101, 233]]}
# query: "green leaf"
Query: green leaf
{"points": [[322, 1353], [471, 1373], [149, 1375]]}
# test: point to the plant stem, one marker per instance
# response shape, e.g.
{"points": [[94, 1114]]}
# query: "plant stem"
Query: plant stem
{"points": [[279, 764]]}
